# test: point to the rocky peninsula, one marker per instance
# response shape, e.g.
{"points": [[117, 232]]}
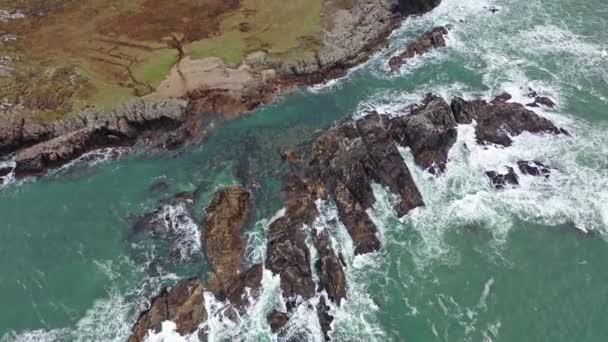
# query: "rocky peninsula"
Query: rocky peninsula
{"points": [[172, 77], [339, 166]]}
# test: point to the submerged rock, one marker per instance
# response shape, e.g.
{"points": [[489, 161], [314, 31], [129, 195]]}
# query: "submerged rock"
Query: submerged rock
{"points": [[426, 42], [163, 221], [226, 217], [183, 304], [534, 168], [501, 180]]}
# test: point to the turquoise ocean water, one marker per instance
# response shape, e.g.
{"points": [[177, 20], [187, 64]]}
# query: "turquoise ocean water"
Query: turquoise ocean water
{"points": [[474, 265]]}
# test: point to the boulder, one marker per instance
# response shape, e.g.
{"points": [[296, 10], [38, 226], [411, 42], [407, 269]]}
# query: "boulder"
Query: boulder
{"points": [[426, 42], [226, 217], [183, 304]]}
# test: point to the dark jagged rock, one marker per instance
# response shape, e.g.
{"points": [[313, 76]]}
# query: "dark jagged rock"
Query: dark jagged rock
{"points": [[225, 220], [287, 252], [413, 7], [534, 168], [501, 180], [44, 147], [429, 40], [329, 268], [429, 130], [325, 319], [360, 227], [250, 280], [347, 160], [277, 320], [159, 222], [183, 304], [542, 101], [497, 121]]}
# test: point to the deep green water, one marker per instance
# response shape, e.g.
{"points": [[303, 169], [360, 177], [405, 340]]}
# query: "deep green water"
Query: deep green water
{"points": [[473, 265]]}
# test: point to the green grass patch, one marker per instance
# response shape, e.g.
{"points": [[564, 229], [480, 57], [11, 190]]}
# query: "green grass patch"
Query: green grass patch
{"points": [[155, 68], [285, 29]]}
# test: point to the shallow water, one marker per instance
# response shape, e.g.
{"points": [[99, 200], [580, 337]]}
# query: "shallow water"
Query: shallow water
{"points": [[473, 265]]}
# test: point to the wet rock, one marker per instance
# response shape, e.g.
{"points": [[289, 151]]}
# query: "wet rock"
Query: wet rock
{"points": [[164, 220], [428, 41], [277, 320], [329, 269], [53, 145], [534, 168], [183, 304], [409, 7], [542, 101], [246, 286], [325, 319], [429, 130], [226, 217], [287, 252], [356, 220], [497, 121], [347, 160], [501, 180]]}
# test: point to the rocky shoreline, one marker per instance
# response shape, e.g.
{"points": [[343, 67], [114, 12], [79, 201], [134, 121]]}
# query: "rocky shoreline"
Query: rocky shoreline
{"points": [[339, 166], [180, 110]]}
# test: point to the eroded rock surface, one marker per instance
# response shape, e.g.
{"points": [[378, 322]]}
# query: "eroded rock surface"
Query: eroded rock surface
{"points": [[429, 129], [52, 145], [426, 42], [182, 304], [225, 220], [500, 179], [499, 120], [534, 168]]}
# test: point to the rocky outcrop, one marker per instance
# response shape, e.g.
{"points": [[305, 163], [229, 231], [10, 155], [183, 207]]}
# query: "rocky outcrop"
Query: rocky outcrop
{"points": [[499, 120], [500, 180], [347, 160], [426, 42], [534, 168], [429, 129], [225, 220], [160, 222], [182, 304], [50, 146], [413, 7], [287, 252]]}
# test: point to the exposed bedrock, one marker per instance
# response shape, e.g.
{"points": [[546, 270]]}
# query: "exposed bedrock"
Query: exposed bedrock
{"points": [[183, 304], [429, 129], [499, 120], [426, 42], [159, 221], [226, 217], [52, 145], [534, 168], [409, 7], [347, 160]]}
